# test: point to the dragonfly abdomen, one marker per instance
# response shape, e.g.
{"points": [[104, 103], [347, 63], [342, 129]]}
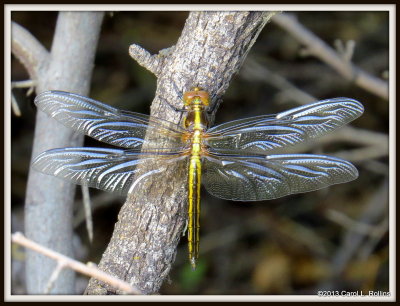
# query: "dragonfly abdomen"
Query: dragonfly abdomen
{"points": [[194, 183]]}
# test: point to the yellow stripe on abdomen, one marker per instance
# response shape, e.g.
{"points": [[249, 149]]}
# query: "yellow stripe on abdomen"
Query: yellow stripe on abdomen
{"points": [[194, 181]]}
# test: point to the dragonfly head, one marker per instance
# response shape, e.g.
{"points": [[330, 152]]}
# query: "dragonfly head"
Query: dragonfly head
{"points": [[196, 97]]}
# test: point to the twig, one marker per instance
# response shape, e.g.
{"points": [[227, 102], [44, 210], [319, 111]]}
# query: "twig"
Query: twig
{"points": [[20, 84], [346, 51], [153, 63], [320, 49], [256, 71], [23, 84], [377, 167], [374, 210], [88, 211], [359, 136], [380, 231], [28, 50], [64, 261], [103, 199], [15, 107], [363, 154], [54, 276], [353, 225]]}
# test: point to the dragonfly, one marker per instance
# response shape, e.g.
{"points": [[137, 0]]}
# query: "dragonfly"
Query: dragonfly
{"points": [[234, 160]]}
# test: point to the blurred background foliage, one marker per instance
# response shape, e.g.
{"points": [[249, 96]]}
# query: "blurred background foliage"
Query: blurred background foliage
{"points": [[335, 238]]}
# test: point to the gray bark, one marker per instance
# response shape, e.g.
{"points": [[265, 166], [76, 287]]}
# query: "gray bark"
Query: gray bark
{"points": [[48, 205], [212, 47]]}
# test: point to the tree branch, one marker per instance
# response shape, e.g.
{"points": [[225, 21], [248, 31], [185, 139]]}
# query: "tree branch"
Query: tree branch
{"points": [[153, 63], [48, 204], [375, 210], [212, 47], [320, 49], [28, 50], [257, 71], [66, 262]]}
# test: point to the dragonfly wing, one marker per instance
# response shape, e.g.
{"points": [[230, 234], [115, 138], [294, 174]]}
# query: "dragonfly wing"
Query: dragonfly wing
{"points": [[263, 133], [269, 177], [111, 170], [103, 122]]}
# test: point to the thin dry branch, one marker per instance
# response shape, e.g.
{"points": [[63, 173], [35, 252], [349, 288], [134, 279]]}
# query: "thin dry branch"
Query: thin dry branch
{"points": [[212, 47], [374, 212], [316, 47], [15, 107], [28, 50], [88, 211], [54, 276], [154, 63], [66, 262], [20, 84], [253, 70], [353, 225]]}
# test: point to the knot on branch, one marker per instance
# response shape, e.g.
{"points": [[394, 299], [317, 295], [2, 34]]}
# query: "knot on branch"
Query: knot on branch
{"points": [[153, 63]]}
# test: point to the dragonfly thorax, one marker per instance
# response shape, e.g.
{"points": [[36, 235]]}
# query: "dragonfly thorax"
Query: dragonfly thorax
{"points": [[195, 120], [196, 102]]}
